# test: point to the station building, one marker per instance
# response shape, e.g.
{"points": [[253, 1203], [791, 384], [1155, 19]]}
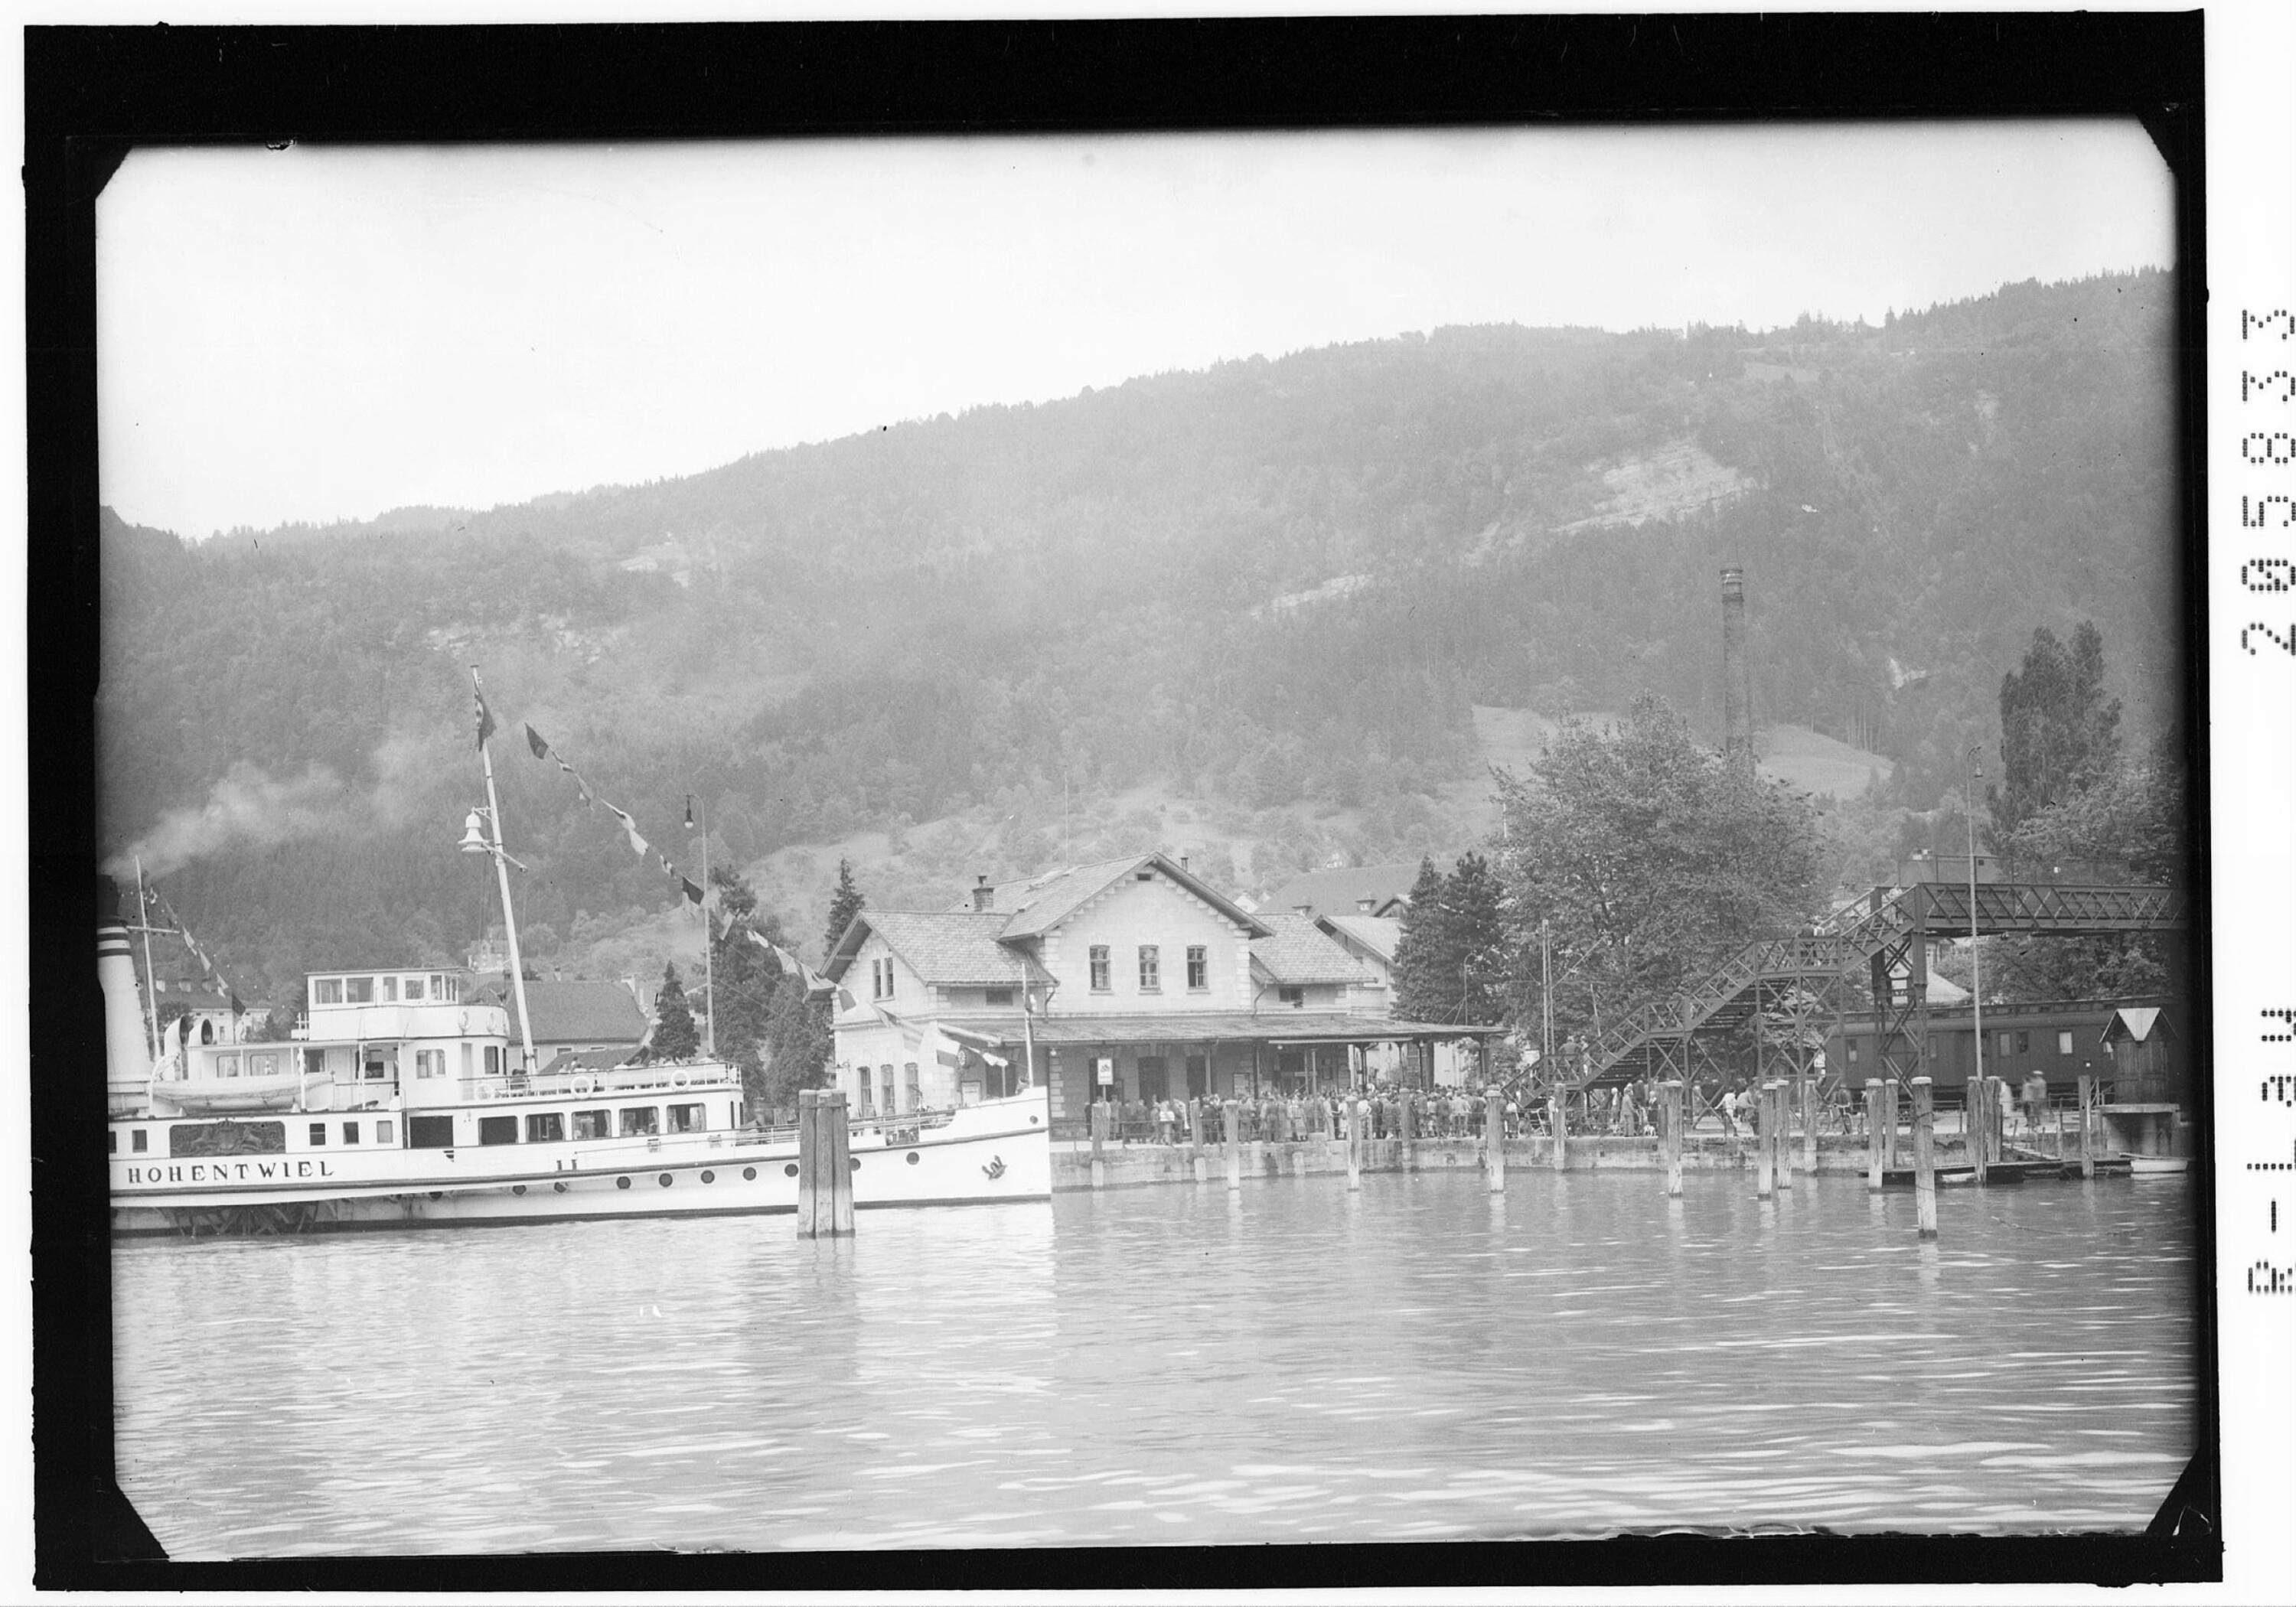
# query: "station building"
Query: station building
{"points": [[1131, 978]]}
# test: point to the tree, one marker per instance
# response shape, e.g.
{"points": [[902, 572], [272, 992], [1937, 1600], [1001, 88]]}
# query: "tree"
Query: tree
{"points": [[1650, 860], [746, 977], [2130, 826], [1420, 950], [1475, 933], [674, 1034], [844, 904], [2060, 733]]}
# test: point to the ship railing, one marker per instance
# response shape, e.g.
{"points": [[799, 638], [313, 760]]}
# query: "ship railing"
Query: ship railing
{"points": [[669, 1079]]}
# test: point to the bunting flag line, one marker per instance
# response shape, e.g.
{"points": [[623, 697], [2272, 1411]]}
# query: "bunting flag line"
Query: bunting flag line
{"points": [[692, 889], [534, 740], [945, 1050], [637, 843], [845, 1001]]}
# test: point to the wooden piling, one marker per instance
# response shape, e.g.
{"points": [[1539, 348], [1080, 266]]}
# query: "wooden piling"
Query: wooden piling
{"points": [[1872, 1133], [1889, 1101], [1765, 1144], [1099, 1109], [1494, 1141], [1232, 1132], [1670, 1113], [824, 1171], [1977, 1123], [1810, 1125], [1558, 1119], [1355, 1144], [2087, 1087], [1924, 1162], [1196, 1161], [1781, 1134]]}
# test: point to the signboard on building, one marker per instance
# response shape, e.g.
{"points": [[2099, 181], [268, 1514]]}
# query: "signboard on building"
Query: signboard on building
{"points": [[1104, 1071]]}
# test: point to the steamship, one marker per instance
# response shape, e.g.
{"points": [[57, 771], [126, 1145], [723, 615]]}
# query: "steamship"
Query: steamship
{"points": [[402, 1099]]}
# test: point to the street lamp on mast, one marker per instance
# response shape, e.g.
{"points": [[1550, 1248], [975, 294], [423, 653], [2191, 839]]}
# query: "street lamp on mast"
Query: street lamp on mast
{"points": [[475, 826], [1976, 974]]}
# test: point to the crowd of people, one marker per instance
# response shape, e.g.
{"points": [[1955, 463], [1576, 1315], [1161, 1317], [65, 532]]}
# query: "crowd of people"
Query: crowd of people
{"points": [[1732, 1105]]}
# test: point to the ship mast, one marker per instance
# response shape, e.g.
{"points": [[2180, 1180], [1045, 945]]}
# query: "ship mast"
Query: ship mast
{"points": [[495, 851], [151, 997]]}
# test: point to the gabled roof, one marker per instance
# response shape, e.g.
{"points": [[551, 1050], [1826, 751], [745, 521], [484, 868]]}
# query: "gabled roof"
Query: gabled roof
{"points": [[1377, 933], [1296, 952], [944, 948], [588, 1060], [600, 1012], [2136, 1023], [1336, 892], [1038, 905]]}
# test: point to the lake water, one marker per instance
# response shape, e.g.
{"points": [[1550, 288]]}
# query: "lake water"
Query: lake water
{"points": [[1290, 1363]]}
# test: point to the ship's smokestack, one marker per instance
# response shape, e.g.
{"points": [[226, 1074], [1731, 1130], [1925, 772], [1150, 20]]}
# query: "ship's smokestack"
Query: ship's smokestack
{"points": [[127, 1052], [1737, 688]]}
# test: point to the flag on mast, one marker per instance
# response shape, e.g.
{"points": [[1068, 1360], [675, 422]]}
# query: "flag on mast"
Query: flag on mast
{"points": [[486, 715]]}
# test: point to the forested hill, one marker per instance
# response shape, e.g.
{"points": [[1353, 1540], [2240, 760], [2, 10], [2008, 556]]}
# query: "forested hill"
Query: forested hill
{"points": [[1276, 579]]}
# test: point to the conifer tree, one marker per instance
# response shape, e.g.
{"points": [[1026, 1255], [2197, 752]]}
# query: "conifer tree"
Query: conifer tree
{"points": [[2060, 733], [1474, 932], [844, 904], [675, 1037], [1421, 951]]}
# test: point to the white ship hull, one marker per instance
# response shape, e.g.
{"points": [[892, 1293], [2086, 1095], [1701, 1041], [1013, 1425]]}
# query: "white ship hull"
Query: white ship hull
{"points": [[994, 1152]]}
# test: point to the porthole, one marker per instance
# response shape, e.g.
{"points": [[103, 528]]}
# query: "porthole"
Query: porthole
{"points": [[709, 1177], [750, 1173], [913, 1159], [790, 1170], [558, 1188], [663, 1180], [1033, 1119], [518, 1188], [853, 1162], [621, 1183]]}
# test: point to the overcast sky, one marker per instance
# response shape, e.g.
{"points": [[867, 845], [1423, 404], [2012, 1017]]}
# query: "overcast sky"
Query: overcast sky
{"points": [[326, 334]]}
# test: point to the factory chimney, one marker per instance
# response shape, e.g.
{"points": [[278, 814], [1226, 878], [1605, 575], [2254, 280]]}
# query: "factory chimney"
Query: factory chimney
{"points": [[1737, 688]]}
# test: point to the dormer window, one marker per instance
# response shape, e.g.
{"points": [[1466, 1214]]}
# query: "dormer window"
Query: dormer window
{"points": [[998, 995], [881, 979], [1297, 997]]}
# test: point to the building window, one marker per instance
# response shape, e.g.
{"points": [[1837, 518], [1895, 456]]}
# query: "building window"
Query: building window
{"points": [[885, 1090], [546, 1127], [998, 995], [1100, 968], [881, 979], [640, 1121], [909, 1081], [327, 990], [1199, 969], [318, 1134], [685, 1118], [592, 1124], [1149, 982], [1297, 997], [1853, 1051], [350, 1132], [2024, 1043], [2064, 1042], [2001, 1045]]}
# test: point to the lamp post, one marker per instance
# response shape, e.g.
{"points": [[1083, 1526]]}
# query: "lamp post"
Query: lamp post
{"points": [[1976, 972]]}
